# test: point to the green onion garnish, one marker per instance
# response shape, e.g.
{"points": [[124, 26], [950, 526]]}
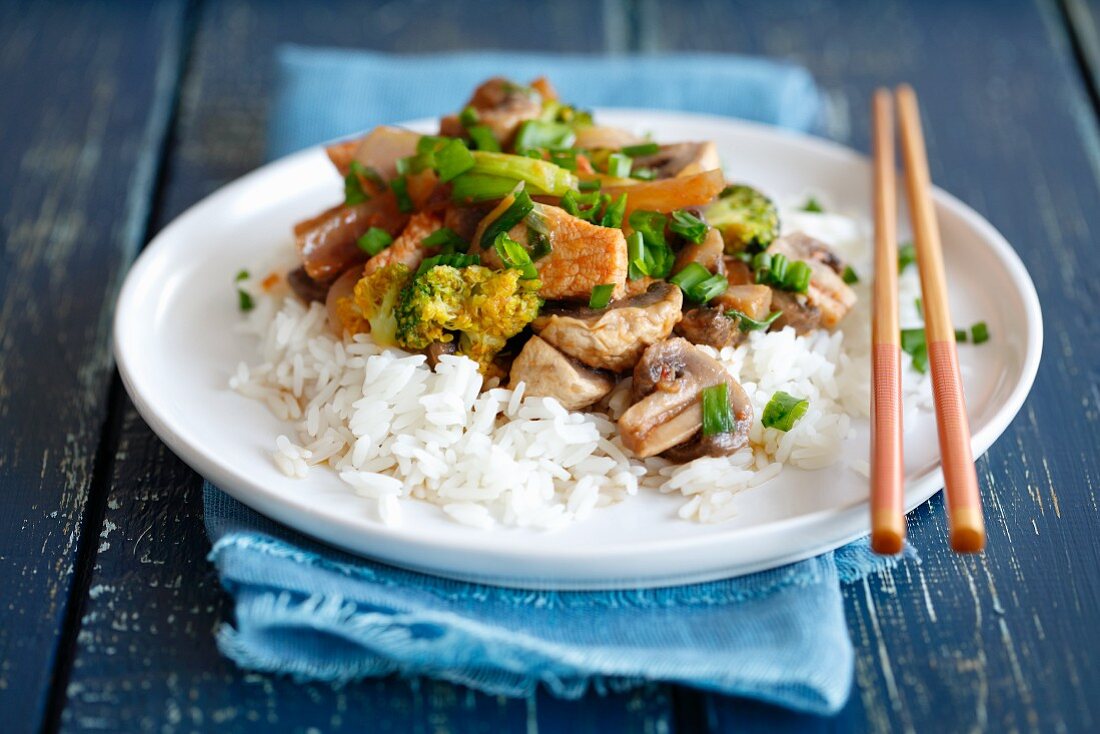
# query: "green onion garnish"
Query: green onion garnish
{"points": [[452, 260], [812, 205], [374, 241], [641, 149], [452, 159], [698, 284], [783, 411], [541, 134], [657, 257], [520, 207], [601, 296], [914, 344], [849, 275], [544, 176], [692, 275], [244, 298], [567, 159], [717, 413], [513, 255], [593, 185], [468, 117], [688, 226], [613, 213], [618, 165], [643, 174], [635, 253], [907, 255], [779, 272], [353, 184], [483, 138], [477, 187], [712, 287], [650, 224], [960, 335], [400, 188], [446, 238], [797, 277], [979, 333], [746, 323]]}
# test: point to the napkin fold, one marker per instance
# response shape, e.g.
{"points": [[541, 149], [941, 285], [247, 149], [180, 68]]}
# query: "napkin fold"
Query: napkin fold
{"points": [[317, 613]]}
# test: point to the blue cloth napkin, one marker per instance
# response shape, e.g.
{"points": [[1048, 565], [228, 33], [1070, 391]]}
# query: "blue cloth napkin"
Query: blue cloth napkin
{"points": [[316, 613]]}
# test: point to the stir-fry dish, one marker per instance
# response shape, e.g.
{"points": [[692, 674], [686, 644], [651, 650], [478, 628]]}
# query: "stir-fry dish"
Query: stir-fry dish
{"points": [[566, 255]]}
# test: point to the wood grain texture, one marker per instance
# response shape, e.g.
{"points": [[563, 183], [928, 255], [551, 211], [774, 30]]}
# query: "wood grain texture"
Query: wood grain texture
{"points": [[83, 111], [1004, 641], [146, 658]]}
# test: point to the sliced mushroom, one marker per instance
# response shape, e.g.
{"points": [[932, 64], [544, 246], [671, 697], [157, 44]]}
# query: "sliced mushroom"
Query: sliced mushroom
{"points": [[501, 105], [667, 416], [436, 350], [306, 287], [710, 326], [828, 298], [680, 159], [615, 337], [549, 373]]}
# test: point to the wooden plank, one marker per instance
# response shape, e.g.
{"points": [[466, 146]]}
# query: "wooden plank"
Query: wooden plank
{"points": [[87, 89], [1004, 641], [146, 656]]}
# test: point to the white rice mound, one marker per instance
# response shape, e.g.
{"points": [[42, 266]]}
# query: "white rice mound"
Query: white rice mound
{"points": [[392, 428]]}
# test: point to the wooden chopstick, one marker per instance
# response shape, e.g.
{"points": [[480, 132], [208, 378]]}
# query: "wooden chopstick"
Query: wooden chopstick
{"points": [[964, 508], [887, 472]]}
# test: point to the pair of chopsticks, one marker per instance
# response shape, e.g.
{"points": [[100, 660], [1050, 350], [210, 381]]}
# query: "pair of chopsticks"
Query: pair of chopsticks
{"points": [[887, 472]]}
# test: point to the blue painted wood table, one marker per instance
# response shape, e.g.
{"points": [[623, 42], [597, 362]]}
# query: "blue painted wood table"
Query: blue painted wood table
{"points": [[116, 116]]}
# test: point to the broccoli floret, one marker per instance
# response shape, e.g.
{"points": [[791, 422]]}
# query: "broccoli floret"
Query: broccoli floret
{"points": [[373, 303], [748, 220], [482, 307]]}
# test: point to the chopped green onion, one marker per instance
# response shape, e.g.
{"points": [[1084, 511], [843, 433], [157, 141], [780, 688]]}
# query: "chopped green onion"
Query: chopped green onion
{"points": [[650, 224], [657, 257], [907, 255], [483, 138], [643, 174], [593, 185], [849, 275], [567, 159], [635, 253], [712, 287], [618, 165], [692, 275], [453, 159], [613, 213], [244, 298], [717, 413], [430, 143], [539, 243], [540, 134], [747, 323], [400, 186], [642, 149], [797, 277], [520, 207], [544, 176], [476, 187], [920, 306], [914, 344], [513, 255], [468, 117], [779, 272], [374, 241], [783, 411], [453, 260], [688, 226], [960, 335], [812, 205], [446, 238], [979, 333], [601, 295], [353, 184]]}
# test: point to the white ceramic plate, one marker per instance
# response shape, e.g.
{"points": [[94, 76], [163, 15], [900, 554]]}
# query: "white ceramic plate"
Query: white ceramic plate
{"points": [[176, 349]]}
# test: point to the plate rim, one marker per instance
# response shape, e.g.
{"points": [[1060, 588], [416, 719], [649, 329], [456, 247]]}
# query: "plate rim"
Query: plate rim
{"points": [[918, 491]]}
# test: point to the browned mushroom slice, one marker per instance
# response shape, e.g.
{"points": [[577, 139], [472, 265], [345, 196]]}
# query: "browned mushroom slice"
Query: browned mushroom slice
{"points": [[710, 326], [549, 373], [615, 337], [828, 298], [667, 416], [680, 159], [306, 287]]}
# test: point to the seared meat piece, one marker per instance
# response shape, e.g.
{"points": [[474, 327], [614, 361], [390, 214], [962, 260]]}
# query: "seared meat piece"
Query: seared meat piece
{"points": [[615, 337], [828, 298], [501, 105], [667, 415], [707, 253], [583, 255], [680, 159], [306, 287], [407, 248], [549, 373], [710, 326]]}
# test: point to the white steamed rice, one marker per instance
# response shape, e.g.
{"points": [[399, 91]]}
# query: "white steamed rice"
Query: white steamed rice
{"points": [[394, 429]]}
